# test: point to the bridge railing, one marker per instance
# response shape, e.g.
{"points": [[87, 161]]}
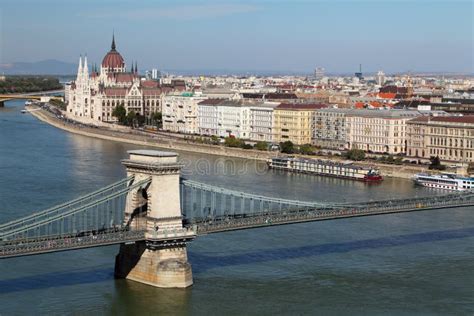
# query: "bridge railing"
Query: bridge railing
{"points": [[202, 201], [211, 208], [57, 243], [98, 212], [59, 209]]}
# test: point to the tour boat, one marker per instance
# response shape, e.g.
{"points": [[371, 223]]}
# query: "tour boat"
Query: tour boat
{"points": [[326, 168], [444, 181], [24, 111]]}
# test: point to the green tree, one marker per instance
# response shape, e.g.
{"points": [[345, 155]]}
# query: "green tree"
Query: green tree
{"points": [[214, 140], [306, 149], [140, 119], [232, 142], [287, 147], [399, 161], [261, 146], [120, 113], [355, 154], [157, 119], [436, 164], [130, 119], [390, 159]]}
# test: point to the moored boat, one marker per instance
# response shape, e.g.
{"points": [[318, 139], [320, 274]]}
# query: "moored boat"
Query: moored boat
{"points": [[329, 168], [445, 181]]}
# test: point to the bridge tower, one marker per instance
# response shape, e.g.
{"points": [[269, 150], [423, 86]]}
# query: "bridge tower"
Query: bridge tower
{"points": [[161, 260]]}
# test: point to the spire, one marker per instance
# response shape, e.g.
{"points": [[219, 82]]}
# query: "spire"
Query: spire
{"points": [[132, 71], [79, 68], [85, 67], [136, 67], [113, 40]]}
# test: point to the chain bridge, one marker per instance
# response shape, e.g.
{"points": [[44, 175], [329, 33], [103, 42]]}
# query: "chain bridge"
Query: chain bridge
{"points": [[153, 214]]}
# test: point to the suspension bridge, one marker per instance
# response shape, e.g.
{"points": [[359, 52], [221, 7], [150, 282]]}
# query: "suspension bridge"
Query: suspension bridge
{"points": [[153, 213]]}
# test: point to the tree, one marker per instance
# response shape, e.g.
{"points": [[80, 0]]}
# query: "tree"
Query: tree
{"points": [[120, 113], [214, 140], [390, 159], [157, 119], [287, 147], [399, 161], [436, 164], [261, 146], [232, 142], [355, 154], [130, 118], [306, 149]]}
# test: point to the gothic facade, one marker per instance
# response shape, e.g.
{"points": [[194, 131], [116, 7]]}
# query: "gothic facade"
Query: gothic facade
{"points": [[94, 95]]}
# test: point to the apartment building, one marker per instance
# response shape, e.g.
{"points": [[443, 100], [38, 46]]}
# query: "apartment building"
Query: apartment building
{"points": [[180, 112], [450, 138], [207, 117], [261, 121], [293, 122], [378, 131], [329, 128]]}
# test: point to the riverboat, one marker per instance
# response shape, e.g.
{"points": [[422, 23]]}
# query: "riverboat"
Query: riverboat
{"points": [[444, 181], [320, 167]]}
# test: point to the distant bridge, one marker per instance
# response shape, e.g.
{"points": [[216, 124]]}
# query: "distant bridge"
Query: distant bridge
{"points": [[31, 95], [153, 213]]}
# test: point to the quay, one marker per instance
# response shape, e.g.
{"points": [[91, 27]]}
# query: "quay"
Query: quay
{"points": [[124, 135]]}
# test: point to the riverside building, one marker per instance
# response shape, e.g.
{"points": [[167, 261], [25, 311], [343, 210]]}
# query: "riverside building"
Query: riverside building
{"points": [[329, 128], [252, 120], [180, 112], [293, 122], [378, 131], [94, 95], [450, 138]]}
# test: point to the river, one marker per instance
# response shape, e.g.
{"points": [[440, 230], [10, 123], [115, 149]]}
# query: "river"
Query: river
{"points": [[399, 264]]}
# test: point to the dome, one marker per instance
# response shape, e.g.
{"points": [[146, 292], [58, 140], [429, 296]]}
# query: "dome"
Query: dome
{"points": [[113, 59]]}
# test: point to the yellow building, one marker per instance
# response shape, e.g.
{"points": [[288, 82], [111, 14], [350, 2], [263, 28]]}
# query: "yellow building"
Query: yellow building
{"points": [[450, 138], [292, 122]]}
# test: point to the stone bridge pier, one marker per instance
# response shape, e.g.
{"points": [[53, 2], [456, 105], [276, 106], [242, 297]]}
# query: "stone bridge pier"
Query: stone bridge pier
{"points": [[161, 260]]}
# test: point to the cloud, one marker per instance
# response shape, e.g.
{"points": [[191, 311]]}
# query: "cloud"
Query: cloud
{"points": [[182, 12]]}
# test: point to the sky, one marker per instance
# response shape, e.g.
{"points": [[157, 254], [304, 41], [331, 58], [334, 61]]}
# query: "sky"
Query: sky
{"points": [[280, 36]]}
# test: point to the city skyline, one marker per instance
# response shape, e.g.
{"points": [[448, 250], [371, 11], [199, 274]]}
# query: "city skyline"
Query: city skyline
{"points": [[258, 36]]}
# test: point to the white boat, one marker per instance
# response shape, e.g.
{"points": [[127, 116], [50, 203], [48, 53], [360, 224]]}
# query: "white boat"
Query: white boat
{"points": [[24, 111], [445, 181]]}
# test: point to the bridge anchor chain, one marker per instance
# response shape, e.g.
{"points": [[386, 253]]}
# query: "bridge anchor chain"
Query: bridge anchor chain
{"points": [[161, 259]]}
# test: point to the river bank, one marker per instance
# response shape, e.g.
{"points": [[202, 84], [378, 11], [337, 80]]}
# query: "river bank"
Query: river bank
{"points": [[170, 143], [143, 139]]}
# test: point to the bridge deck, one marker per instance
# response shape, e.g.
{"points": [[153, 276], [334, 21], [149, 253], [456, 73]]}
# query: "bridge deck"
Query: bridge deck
{"points": [[28, 247], [230, 223]]}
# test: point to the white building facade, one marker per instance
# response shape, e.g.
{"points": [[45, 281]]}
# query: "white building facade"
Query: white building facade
{"points": [[180, 112], [379, 131], [261, 121]]}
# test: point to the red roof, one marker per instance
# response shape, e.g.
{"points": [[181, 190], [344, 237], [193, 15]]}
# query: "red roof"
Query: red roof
{"points": [[124, 77], [387, 95], [149, 84], [211, 101], [113, 59], [151, 91], [116, 92], [469, 119]]}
